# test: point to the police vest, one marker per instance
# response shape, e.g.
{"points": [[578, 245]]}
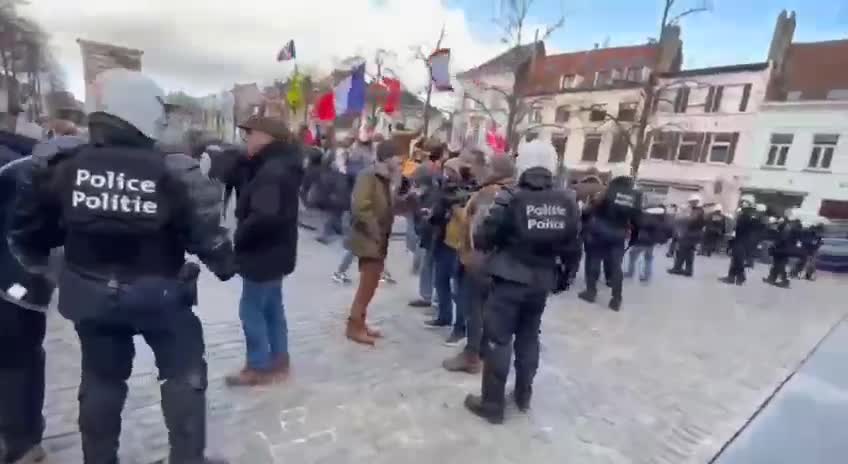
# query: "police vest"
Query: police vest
{"points": [[117, 209], [622, 205], [541, 222]]}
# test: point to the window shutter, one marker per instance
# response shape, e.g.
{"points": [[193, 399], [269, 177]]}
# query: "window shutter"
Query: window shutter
{"points": [[675, 142], [708, 105], [734, 140], [746, 95], [705, 147], [678, 99], [684, 103], [717, 98]]}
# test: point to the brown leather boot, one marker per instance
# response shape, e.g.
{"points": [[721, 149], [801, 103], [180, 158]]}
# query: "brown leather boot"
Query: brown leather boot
{"points": [[248, 377], [280, 366], [357, 332], [463, 362]]}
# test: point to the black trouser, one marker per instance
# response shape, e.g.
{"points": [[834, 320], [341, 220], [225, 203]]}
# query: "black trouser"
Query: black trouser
{"points": [[684, 260], [778, 268], [475, 294], [672, 247], [21, 380], [176, 338], [611, 255], [512, 309], [710, 244], [806, 264], [738, 255]]}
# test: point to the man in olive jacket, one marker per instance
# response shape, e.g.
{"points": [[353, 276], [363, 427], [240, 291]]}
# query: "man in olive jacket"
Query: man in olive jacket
{"points": [[372, 216]]}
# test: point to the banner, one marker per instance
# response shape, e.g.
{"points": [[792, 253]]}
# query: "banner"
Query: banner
{"points": [[98, 57], [440, 69]]}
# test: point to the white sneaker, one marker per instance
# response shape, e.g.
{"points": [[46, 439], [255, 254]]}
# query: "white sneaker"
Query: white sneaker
{"points": [[341, 278]]}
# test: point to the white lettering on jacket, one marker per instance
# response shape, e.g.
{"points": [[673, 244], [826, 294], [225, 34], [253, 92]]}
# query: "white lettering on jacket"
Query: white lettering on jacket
{"points": [[545, 217], [115, 192]]}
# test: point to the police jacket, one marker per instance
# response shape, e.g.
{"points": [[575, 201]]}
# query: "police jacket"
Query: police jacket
{"points": [[787, 239], [747, 228], [653, 230], [693, 226], [619, 208], [716, 224], [811, 239], [528, 228], [267, 213], [122, 210], [37, 290]]}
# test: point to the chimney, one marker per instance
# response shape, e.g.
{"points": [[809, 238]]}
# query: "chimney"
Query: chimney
{"points": [[784, 30], [670, 50]]}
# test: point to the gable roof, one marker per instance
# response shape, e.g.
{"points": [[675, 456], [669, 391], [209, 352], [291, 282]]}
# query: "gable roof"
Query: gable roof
{"points": [[816, 68], [544, 77], [509, 60]]}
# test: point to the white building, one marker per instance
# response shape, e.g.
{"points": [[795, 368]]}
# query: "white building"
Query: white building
{"points": [[701, 132], [799, 156]]}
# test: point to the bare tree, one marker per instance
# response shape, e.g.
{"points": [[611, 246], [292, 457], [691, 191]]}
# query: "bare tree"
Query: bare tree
{"points": [[513, 22], [649, 91], [421, 55]]}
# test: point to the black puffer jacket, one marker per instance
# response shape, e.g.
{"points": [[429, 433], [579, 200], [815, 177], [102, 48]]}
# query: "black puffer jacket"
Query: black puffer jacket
{"points": [[653, 230], [12, 274], [267, 211]]}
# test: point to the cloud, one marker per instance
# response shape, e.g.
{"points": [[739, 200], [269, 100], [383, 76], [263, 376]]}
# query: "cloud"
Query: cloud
{"points": [[204, 46]]}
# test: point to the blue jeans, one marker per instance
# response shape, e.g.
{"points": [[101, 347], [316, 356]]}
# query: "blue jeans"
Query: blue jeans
{"points": [[647, 251], [445, 261], [263, 319], [426, 276], [464, 300], [347, 258]]}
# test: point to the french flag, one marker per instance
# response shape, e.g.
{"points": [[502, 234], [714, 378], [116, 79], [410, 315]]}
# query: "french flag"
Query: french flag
{"points": [[349, 94]]}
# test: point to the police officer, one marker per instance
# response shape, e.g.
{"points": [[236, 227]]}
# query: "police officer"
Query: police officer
{"points": [[745, 232], [527, 229], [692, 233], [787, 236], [126, 215], [811, 241], [618, 210]]}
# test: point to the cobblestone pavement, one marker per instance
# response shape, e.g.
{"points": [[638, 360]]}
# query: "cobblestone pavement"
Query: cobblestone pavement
{"points": [[667, 380]]}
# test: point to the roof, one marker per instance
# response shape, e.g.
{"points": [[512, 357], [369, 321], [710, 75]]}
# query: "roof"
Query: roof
{"points": [[816, 68], [734, 68], [546, 73], [506, 61]]}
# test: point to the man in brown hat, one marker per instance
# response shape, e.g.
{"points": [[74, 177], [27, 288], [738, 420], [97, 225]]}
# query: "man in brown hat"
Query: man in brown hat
{"points": [[266, 245]]}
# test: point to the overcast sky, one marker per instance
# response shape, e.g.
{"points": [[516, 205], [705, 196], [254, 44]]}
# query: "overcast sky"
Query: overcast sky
{"points": [[204, 46]]}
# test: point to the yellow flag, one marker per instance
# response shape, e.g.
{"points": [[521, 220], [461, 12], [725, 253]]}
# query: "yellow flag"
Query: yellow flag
{"points": [[295, 93]]}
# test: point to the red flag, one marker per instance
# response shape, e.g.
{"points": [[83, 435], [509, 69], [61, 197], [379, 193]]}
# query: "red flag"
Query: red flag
{"points": [[496, 141], [393, 96], [325, 109]]}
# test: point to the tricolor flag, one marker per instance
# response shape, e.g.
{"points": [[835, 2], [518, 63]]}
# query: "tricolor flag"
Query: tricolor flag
{"points": [[349, 94], [440, 69], [287, 52]]}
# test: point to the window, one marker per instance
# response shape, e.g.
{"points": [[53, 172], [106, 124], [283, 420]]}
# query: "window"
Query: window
{"points": [[618, 152], [721, 148], [567, 81], [681, 100], [746, 96], [838, 94], [779, 149], [536, 116], [598, 113], [591, 146], [713, 102], [660, 146], [634, 74], [794, 95], [690, 147], [823, 147], [562, 114], [627, 111], [603, 78]]}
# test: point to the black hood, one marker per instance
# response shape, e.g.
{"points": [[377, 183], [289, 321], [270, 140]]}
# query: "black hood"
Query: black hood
{"points": [[537, 178]]}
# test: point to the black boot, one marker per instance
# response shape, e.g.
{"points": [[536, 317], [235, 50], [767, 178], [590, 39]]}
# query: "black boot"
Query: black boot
{"points": [[727, 280], [521, 396], [675, 271], [588, 295], [489, 411], [615, 304], [184, 408]]}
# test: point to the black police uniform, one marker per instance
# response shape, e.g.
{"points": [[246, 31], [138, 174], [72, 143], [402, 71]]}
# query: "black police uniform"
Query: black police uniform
{"points": [[713, 233], [526, 230], [786, 245], [691, 235], [811, 241], [744, 238], [126, 215], [23, 301], [605, 234]]}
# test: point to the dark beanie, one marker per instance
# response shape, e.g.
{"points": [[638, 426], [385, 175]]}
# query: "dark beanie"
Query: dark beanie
{"points": [[386, 150]]}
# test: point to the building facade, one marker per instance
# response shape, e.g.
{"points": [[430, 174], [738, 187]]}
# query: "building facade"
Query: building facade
{"points": [[799, 157], [701, 132]]}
